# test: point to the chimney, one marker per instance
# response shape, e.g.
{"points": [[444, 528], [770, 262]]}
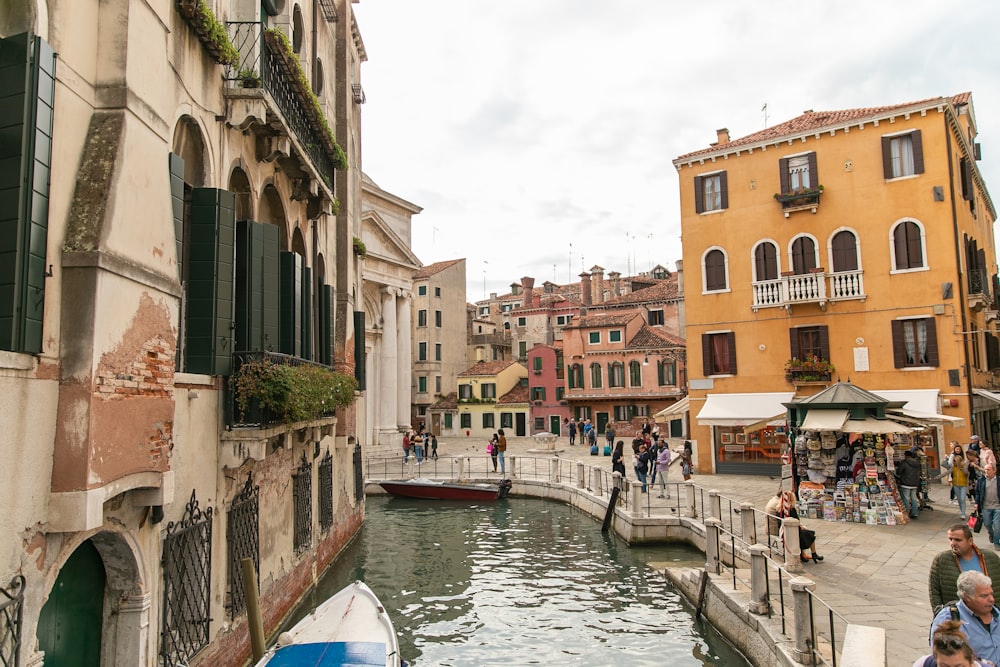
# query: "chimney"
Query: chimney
{"points": [[598, 284], [515, 289], [529, 288], [616, 283], [585, 294], [722, 136], [680, 276]]}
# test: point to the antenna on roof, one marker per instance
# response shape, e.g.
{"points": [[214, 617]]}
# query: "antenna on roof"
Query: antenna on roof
{"points": [[764, 111]]}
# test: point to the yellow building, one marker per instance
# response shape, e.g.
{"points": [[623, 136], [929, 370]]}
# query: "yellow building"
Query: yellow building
{"points": [[862, 238], [492, 395]]}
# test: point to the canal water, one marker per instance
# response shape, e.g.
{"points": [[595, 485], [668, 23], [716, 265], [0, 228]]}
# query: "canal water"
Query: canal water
{"points": [[520, 582]]}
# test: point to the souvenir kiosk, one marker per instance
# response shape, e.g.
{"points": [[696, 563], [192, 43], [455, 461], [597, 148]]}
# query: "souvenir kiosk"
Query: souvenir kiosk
{"points": [[842, 446]]}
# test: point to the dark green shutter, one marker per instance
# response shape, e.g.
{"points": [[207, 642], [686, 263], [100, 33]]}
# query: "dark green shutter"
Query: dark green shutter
{"points": [[326, 325], [176, 166], [699, 194], [248, 300], [271, 289], [27, 91], [291, 304], [209, 342], [307, 318], [359, 346]]}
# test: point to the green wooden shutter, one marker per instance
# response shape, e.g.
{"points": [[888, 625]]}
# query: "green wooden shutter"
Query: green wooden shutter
{"points": [[359, 346], [326, 325], [248, 298], [307, 308], [27, 92], [176, 167], [699, 194], [209, 342], [291, 304], [271, 289]]}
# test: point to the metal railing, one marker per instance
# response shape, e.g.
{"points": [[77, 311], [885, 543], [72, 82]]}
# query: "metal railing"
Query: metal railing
{"points": [[11, 613], [256, 415], [257, 57], [242, 541], [302, 501]]}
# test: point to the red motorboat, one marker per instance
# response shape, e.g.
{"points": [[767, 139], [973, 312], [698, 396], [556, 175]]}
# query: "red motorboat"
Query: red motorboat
{"points": [[434, 490]]}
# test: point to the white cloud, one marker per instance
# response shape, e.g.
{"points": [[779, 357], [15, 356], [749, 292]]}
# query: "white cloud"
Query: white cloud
{"points": [[523, 127]]}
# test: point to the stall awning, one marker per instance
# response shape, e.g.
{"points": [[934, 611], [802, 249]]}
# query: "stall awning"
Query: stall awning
{"points": [[872, 425], [742, 409], [921, 404], [824, 420], [674, 411], [988, 395]]}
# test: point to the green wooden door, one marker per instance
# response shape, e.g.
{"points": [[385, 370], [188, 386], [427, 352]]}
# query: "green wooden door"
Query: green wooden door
{"points": [[69, 626], [554, 425]]}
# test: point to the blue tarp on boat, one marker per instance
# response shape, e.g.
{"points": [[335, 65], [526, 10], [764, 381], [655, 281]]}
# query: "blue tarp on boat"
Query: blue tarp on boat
{"points": [[332, 654]]}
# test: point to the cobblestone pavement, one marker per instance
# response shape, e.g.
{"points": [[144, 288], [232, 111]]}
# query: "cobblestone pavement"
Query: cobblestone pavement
{"points": [[872, 575]]}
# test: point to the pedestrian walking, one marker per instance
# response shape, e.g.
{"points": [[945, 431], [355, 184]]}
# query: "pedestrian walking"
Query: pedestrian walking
{"points": [[686, 458], [908, 476], [617, 458], [609, 433], [434, 447], [500, 447], [570, 426], [662, 468], [491, 449], [641, 465], [406, 447], [418, 447], [960, 480]]}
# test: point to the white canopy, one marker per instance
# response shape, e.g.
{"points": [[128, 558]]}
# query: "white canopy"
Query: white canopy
{"points": [[743, 409]]}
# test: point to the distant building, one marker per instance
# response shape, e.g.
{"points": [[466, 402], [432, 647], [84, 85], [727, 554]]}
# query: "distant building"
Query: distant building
{"points": [[854, 244], [547, 389], [439, 335], [479, 407]]}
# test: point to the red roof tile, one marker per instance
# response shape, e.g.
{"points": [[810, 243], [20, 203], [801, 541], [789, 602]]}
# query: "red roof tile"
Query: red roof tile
{"points": [[486, 368], [518, 394], [602, 320], [436, 267], [648, 338], [449, 402]]}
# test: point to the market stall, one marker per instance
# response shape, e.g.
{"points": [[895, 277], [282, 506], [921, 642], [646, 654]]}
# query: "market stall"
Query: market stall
{"points": [[843, 444]]}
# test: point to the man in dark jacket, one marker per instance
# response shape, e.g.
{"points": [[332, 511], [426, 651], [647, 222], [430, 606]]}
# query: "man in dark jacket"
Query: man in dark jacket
{"points": [[963, 555], [987, 496], [908, 477]]}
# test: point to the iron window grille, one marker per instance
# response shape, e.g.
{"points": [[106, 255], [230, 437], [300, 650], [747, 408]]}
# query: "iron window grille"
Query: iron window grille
{"points": [[326, 492], [243, 541], [359, 473], [11, 613], [187, 567], [302, 499]]}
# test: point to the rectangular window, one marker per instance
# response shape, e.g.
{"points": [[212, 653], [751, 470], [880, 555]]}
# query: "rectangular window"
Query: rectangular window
{"points": [[560, 392], [488, 390], [718, 353], [449, 420], [583, 412], [538, 393], [422, 384], [621, 413], [914, 343], [711, 192], [437, 291], [616, 374], [484, 311], [488, 420], [422, 290], [536, 364], [615, 336], [465, 419], [437, 351], [655, 317], [421, 318], [437, 318], [667, 373], [798, 173], [539, 424], [506, 420], [522, 349], [902, 155], [809, 342], [594, 337], [422, 351], [437, 384], [522, 321], [560, 320], [464, 391]]}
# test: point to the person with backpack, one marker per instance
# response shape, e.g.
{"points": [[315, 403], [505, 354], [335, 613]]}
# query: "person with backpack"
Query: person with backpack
{"points": [[962, 556], [979, 616]]}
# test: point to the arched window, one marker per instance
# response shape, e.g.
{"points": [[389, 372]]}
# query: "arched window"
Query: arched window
{"points": [[715, 271], [803, 255], [765, 261], [576, 376], [635, 374], [666, 373], [908, 246], [596, 381], [844, 250], [616, 374]]}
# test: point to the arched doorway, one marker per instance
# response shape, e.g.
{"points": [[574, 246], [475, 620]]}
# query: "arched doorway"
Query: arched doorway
{"points": [[70, 625]]}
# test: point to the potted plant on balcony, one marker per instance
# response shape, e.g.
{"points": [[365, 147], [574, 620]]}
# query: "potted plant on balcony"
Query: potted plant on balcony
{"points": [[210, 31], [799, 197], [359, 248], [249, 78], [291, 393], [809, 369]]}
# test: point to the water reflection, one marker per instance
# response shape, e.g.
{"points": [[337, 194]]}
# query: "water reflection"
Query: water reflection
{"points": [[520, 582]]}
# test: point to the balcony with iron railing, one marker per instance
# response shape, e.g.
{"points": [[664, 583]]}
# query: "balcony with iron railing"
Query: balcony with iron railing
{"points": [[816, 287], [268, 72], [979, 289]]}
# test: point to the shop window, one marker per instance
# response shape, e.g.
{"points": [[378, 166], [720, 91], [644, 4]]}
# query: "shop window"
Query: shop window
{"points": [[719, 353], [914, 343]]}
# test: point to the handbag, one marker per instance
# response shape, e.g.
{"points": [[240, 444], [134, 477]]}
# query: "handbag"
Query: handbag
{"points": [[975, 522]]}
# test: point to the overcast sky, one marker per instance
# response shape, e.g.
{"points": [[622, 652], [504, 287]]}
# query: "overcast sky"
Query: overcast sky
{"points": [[538, 135]]}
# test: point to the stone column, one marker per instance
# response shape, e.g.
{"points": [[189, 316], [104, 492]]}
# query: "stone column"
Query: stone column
{"points": [[759, 602], [387, 422], [790, 529], [404, 360], [801, 588], [712, 551]]}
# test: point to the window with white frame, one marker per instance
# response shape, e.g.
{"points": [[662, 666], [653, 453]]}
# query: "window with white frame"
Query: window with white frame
{"points": [[594, 337], [714, 270], [615, 336], [711, 192], [908, 246], [902, 155]]}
